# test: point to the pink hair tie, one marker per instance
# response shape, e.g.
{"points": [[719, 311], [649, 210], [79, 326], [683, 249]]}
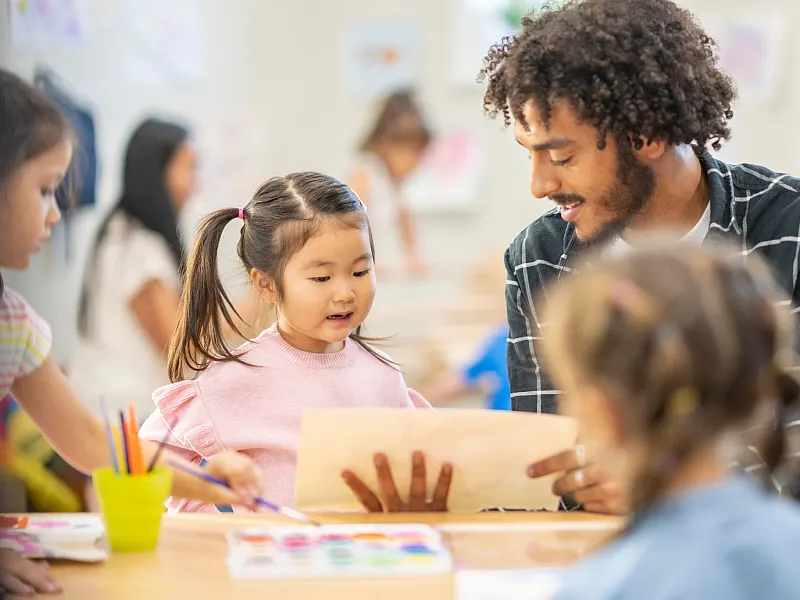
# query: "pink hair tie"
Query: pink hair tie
{"points": [[241, 213]]}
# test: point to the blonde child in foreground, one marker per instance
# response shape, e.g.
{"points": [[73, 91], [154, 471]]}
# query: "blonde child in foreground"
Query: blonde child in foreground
{"points": [[306, 243], [35, 151], [665, 357]]}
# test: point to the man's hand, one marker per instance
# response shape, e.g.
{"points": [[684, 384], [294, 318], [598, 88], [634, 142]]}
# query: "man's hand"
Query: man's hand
{"points": [[586, 482], [389, 500]]}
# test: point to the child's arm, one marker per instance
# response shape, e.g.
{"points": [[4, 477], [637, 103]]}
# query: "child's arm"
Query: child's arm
{"points": [[408, 234], [79, 437]]}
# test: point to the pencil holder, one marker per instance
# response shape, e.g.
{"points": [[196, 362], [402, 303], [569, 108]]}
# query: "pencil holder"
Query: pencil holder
{"points": [[132, 507]]}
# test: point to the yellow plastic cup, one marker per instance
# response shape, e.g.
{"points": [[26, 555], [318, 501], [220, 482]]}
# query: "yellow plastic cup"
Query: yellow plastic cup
{"points": [[132, 507]]}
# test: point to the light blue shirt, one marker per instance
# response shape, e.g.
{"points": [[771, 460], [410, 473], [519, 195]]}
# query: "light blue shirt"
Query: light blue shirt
{"points": [[729, 540]]}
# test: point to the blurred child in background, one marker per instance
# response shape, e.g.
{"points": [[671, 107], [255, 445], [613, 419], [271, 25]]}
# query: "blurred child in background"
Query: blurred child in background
{"points": [[390, 152], [487, 370], [129, 303], [36, 146], [666, 356]]}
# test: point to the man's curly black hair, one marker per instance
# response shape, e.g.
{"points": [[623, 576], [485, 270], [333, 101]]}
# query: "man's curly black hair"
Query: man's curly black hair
{"points": [[634, 69]]}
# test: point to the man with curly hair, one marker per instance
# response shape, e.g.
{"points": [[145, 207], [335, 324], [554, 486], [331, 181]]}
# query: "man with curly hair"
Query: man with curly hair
{"points": [[617, 102]]}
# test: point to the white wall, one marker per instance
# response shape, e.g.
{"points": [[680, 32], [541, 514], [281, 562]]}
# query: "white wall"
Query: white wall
{"points": [[277, 65]]}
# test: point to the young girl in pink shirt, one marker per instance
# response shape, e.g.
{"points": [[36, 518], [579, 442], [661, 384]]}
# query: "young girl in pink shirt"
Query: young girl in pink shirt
{"points": [[307, 247]]}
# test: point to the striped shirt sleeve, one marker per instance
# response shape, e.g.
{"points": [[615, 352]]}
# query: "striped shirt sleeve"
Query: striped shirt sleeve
{"points": [[24, 339]]}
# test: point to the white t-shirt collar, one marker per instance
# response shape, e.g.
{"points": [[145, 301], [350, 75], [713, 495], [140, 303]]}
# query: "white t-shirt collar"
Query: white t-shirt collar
{"points": [[696, 234]]}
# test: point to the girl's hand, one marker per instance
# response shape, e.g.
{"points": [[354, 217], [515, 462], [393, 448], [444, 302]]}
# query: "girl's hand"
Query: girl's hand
{"points": [[24, 577], [244, 476], [391, 501]]}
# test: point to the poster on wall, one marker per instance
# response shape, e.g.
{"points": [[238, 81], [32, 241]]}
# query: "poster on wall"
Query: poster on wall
{"points": [[40, 24], [381, 57], [163, 41], [448, 179], [749, 49], [477, 25]]}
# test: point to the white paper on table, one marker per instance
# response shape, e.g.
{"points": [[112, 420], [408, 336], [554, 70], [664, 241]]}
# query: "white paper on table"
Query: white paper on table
{"points": [[525, 584], [489, 450]]}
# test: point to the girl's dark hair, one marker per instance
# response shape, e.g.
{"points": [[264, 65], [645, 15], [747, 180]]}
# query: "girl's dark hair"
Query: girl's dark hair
{"points": [[30, 124], [691, 346], [399, 121], [284, 213], [145, 197]]}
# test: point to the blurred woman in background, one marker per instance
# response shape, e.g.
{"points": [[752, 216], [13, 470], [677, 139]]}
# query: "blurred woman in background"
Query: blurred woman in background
{"points": [[130, 294], [390, 152]]}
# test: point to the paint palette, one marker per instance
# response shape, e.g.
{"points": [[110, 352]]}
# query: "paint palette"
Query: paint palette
{"points": [[336, 550], [78, 537]]}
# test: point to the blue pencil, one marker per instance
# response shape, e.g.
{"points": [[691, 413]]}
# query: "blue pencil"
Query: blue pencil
{"points": [[112, 445], [284, 510], [124, 434]]}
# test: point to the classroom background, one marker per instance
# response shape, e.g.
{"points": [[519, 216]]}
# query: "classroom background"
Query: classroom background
{"points": [[274, 87]]}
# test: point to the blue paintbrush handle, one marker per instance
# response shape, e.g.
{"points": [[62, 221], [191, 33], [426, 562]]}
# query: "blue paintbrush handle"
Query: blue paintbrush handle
{"points": [[217, 481]]}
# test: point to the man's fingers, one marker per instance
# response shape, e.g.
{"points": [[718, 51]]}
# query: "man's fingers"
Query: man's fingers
{"points": [[592, 495], [418, 494], [563, 461], [607, 498], [365, 495], [391, 497], [442, 489], [577, 479]]}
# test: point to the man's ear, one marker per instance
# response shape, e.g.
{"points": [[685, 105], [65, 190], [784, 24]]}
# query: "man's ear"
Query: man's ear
{"points": [[264, 285], [650, 151]]}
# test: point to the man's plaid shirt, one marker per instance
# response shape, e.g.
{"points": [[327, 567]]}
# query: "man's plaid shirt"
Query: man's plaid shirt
{"points": [[752, 208]]}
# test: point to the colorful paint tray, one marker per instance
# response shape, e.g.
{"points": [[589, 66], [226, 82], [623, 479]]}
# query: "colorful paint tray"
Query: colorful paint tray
{"points": [[337, 551]]}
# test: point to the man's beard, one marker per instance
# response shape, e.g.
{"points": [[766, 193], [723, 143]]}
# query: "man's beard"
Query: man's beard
{"points": [[634, 186]]}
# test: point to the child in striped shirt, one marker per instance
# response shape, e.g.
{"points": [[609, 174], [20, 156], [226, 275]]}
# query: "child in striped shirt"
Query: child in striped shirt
{"points": [[35, 152]]}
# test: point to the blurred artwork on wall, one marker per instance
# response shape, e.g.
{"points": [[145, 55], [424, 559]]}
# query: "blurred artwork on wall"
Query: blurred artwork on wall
{"points": [[477, 25], [448, 179], [40, 24], [380, 57], [749, 50]]}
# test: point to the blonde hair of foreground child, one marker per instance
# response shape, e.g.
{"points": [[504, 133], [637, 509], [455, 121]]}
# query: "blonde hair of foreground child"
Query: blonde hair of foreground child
{"points": [[666, 353]]}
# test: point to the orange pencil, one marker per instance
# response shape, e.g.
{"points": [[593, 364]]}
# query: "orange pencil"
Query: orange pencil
{"points": [[137, 460]]}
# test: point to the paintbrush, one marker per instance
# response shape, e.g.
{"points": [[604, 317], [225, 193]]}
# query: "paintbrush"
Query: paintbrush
{"points": [[284, 510]]}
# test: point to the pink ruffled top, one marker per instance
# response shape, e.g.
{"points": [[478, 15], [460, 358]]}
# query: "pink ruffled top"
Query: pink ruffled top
{"points": [[256, 410]]}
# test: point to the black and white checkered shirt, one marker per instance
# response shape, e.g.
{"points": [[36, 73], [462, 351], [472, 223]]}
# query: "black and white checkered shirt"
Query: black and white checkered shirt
{"points": [[751, 207]]}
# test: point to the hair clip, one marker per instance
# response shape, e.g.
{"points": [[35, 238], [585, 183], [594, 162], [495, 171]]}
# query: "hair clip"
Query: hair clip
{"points": [[624, 294], [683, 401]]}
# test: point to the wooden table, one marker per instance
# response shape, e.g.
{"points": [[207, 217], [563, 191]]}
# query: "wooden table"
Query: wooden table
{"points": [[190, 560]]}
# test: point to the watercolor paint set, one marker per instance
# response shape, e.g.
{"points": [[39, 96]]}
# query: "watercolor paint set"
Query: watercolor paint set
{"points": [[78, 537], [337, 551]]}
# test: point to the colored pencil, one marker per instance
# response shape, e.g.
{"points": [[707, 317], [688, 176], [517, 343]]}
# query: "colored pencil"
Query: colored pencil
{"points": [[157, 455], [133, 438], [125, 448], [162, 443], [112, 444], [284, 510]]}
